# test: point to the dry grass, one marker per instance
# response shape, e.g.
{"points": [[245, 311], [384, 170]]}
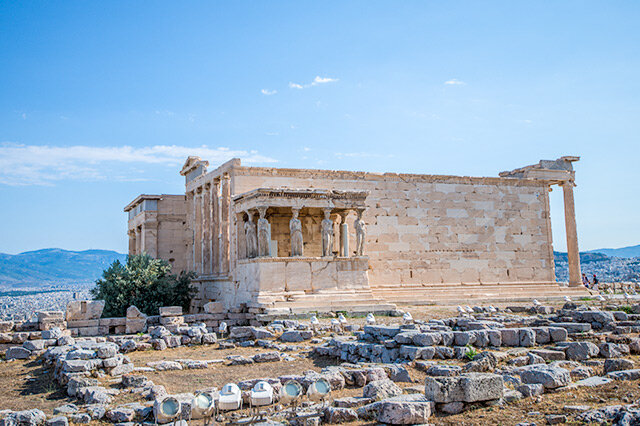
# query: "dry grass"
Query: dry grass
{"points": [[28, 384]]}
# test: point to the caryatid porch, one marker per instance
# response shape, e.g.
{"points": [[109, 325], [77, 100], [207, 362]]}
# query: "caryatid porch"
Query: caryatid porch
{"points": [[297, 241]]}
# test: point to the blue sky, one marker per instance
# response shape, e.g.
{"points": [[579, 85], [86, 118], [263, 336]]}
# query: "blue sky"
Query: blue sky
{"points": [[101, 101]]}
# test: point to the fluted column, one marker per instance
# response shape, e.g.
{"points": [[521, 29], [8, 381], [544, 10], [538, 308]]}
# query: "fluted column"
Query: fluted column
{"points": [[206, 229], [211, 230], [198, 231], [191, 221], [573, 254], [225, 223], [215, 211]]}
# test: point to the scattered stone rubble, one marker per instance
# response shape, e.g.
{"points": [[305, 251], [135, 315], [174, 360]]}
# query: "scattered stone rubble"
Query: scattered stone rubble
{"points": [[506, 357]]}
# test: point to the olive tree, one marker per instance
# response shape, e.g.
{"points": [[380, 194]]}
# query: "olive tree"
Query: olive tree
{"points": [[144, 282]]}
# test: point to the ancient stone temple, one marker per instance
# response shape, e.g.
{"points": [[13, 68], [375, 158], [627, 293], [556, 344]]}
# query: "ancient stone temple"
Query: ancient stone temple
{"points": [[294, 240]]}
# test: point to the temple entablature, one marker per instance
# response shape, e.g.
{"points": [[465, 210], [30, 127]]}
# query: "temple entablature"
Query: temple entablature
{"points": [[555, 171]]}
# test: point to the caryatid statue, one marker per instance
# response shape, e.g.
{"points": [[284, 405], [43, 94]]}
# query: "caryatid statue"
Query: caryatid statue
{"points": [[250, 236], [327, 234], [295, 229], [264, 233], [361, 231]]}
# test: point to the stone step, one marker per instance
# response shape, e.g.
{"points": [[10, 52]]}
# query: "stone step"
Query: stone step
{"points": [[452, 294], [462, 292]]}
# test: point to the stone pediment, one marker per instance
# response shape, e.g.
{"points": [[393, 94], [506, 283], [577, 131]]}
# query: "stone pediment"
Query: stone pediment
{"points": [[556, 171], [192, 163]]}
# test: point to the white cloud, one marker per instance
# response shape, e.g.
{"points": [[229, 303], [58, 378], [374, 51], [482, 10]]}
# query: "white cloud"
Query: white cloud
{"points": [[24, 115], [455, 82], [323, 80], [45, 165], [316, 82], [268, 92]]}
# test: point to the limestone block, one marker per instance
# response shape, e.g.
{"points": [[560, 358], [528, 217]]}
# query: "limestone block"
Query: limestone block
{"points": [[83, 323], [324, 275], [134, 313], [581, 351], [6, 326], [111, 322], [527, 337], [84, 309], [469, 387], [50, 315], [170, 311], [269, 277], [510, 336], [135, 325], [549, 376], [214, 307], [397, 412], [298, 276], [88, 331], [18, 352]]}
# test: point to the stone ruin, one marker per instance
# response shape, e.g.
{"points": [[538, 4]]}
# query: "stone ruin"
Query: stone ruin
{"points": [[290, 241], [486, 357]]}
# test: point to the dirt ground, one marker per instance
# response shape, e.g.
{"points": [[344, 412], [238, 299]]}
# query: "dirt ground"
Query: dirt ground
{"points": [[29, 384]]}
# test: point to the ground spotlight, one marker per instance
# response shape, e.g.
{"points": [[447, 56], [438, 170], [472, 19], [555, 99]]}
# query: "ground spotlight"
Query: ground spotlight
{"points": [[290, 392], [230, 397], [261, 394], [167, 409], [203, 405], [319, 390]]}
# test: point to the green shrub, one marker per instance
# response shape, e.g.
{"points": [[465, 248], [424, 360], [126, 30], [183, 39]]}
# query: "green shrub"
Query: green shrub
{"points": [[144, 282], [624, 308], [471, 352]]}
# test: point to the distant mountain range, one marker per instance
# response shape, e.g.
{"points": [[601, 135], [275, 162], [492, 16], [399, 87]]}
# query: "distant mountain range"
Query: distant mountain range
{"points": [[54, 267], [627, 252], [601, 254]]}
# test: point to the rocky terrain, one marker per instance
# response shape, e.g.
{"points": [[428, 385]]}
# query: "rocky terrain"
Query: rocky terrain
{"points": [[529, 364]]}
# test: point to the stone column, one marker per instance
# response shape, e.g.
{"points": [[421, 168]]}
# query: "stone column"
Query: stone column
{"points": [[211, 230], [138, 240], [132, 242], [191, 221], [150, 238], [344, 234], [206, 229], [198, 232], [575, 275], [215, 209], [225, 222]]}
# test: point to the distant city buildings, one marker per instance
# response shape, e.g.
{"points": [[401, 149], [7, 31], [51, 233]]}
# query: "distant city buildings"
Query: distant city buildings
{"points": [[608, 269]]}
